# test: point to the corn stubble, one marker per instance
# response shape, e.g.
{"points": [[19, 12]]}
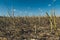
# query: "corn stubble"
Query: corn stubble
{"points": [[19, 28]]}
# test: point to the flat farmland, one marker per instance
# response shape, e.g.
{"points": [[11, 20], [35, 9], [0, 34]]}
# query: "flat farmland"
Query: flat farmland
{"points": [[28, 28]]}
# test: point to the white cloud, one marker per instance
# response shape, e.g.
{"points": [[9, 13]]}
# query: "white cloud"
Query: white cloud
{"points": [[54, 0], [25, 12], [49, 4], [14, 9], [20, 12], [40, 10]]}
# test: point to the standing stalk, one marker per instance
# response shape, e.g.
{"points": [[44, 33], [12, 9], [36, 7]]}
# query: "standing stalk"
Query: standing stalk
{"points": [[54, 22], [50, 19]]}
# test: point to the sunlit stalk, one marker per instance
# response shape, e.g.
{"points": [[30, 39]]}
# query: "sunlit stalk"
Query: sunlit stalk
{"points": [[50, 19], [55, 21]]}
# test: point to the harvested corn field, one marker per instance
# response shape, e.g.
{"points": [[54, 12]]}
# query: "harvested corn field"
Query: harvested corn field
{"points": [[23, 28], [29, 19]]}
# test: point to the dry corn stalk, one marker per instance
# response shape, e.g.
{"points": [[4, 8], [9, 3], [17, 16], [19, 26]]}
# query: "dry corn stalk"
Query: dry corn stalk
{"points": [[54, 21], [50, 19]]}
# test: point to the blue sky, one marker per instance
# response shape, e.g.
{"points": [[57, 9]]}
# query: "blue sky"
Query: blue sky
{"points": [[28, 7]]}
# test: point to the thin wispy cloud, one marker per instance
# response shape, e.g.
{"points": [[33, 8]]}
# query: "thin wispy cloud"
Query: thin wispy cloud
{"points": [[14, 9], [40, 9], [54, 0], [49, 5], [20, 12], [25, 11]]}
